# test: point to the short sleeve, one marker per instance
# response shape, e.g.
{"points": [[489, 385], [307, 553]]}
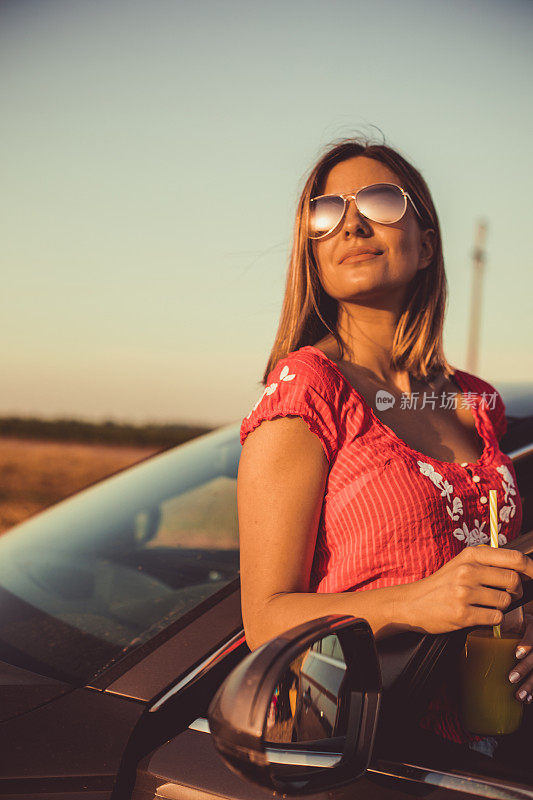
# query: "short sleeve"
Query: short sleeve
{"points": [[299, 385], [491, 401], [496, 412]]}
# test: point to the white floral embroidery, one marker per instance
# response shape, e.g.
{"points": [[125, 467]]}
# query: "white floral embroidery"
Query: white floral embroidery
{"points": [[477, 535], [509, 489], [508, 485], [507, 478], [506, 512], [436, 477], [284, 374], [474, 537], [463, 533], [425, 469], [446, 489], [271, 388], [456, 510]]}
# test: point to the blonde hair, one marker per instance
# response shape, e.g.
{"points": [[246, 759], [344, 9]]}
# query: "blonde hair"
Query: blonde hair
{"points": [[309, 313]]}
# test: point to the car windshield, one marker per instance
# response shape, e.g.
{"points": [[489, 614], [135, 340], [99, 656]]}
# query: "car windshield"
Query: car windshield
{"points": [[101, 573]]}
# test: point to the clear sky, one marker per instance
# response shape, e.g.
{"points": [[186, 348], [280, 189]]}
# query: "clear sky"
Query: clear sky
{"points": [[152, 154]]}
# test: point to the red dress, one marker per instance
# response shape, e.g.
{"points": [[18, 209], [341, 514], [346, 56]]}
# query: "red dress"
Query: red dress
{"points": [[392, 515]]}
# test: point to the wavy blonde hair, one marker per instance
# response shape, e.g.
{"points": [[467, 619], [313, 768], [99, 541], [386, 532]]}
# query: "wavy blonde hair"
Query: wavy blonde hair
{"points": [[309, 313]]}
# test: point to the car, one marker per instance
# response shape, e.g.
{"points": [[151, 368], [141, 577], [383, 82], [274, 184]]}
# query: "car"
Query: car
{"points": [[319, 678], [120, 624]]}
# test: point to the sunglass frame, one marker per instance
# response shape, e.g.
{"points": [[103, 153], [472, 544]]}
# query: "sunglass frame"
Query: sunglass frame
{"points": [[347, 197]]}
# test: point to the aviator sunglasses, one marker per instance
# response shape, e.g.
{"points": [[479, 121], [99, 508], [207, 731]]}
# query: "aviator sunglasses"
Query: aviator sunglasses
{"points": [[380, 202]]}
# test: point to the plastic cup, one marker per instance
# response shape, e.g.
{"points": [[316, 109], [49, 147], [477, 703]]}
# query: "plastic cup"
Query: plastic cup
{"points": [[488, 703]]}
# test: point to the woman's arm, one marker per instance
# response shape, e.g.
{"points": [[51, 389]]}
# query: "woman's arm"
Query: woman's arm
{"points": [[281, 484]]}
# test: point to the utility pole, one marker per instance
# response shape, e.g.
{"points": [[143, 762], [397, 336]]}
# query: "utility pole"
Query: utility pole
{"points": [[478, 263]]}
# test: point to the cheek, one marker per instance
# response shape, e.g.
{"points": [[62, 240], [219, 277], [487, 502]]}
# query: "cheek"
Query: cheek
{"points": [[323, 259], [406, 246], [321, 253]]}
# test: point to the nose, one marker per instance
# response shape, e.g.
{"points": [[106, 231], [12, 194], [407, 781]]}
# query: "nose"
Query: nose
{"points": [[354, 223]]}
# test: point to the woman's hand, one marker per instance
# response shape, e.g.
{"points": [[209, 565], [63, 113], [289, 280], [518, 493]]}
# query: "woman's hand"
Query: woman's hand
{"points": [[472, 589], [523, 670]]}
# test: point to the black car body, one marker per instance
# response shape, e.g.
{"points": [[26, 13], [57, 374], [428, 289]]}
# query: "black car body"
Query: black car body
{"points": [[120, 616]]}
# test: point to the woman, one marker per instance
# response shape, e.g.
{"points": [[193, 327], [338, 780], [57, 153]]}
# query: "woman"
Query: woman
{"points": [[367, 461]]}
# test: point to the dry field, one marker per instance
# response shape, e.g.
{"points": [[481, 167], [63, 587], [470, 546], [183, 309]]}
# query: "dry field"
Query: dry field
{"points": [[35, 474]]}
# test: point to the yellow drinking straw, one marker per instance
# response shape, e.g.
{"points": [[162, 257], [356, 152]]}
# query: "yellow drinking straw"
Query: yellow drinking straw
{"points": [[493, 507]]}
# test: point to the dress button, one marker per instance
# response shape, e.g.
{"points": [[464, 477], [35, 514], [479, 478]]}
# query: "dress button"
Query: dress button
{"points": [[483, 500], [476, 478], [464, 464]]}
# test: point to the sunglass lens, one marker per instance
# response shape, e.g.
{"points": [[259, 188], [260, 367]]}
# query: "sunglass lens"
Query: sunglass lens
{"points": [[325, 214], [382, 203]]}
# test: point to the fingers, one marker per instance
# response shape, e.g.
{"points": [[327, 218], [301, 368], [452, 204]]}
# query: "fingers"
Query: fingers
{"points": [[477, 615], [526, 645], [473, 589], [522, 673], [522, 676], [500, 557], [474, 575], [492, 598], [506, 579]]}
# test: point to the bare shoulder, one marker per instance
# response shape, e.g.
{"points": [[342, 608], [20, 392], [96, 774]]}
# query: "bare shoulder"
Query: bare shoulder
{"points": [[285, 438], [329, 347], [282, 465]]}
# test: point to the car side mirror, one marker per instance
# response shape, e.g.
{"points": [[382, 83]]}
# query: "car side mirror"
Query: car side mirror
{"points": [[300, 713]]}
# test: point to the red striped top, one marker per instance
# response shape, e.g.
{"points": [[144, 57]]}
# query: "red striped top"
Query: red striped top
{"points": [[392, 515]]}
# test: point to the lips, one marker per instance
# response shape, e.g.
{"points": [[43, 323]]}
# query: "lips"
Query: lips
{"points": [[359, 254]]}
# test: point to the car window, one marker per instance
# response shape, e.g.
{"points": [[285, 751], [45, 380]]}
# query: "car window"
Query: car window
{"points": [[103, 572], [205, 516], [331, 647]]}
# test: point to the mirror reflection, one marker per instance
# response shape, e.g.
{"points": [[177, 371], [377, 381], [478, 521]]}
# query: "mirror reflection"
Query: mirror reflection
{"points": [[308, 703]]}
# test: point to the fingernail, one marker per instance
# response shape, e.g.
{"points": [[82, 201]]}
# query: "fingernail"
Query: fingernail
{"points": [[514, 676], [529, 698], [521, 694], [520, 652]]}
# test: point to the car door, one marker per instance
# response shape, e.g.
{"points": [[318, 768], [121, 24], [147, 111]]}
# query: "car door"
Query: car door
{"points": [[187, 764]]}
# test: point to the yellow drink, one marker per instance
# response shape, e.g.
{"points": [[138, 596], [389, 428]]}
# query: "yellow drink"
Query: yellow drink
{"points": [[488, 704]]}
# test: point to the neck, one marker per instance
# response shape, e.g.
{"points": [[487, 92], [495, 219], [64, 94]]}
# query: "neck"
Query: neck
{"points": [[368, 335]]}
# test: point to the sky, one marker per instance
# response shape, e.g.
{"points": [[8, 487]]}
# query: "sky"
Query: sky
{"points": [[152, 157]]}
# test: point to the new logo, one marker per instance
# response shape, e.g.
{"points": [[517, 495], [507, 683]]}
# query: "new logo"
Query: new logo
{"points": [[384, 400]]}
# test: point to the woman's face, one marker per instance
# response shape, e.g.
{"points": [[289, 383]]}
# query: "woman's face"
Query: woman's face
{"points": [[402, 248]]}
